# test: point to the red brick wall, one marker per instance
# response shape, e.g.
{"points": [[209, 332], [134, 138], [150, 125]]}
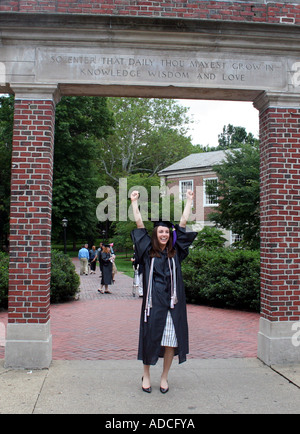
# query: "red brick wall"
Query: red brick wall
{"points": [[280, 214], [31, 196], [274, 12]]}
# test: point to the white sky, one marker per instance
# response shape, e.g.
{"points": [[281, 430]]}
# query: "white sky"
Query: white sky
{"points": [[210, 117]]}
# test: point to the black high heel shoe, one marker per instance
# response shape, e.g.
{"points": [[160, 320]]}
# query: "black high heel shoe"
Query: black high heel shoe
{"points": [[146, 389], [164, 390]]}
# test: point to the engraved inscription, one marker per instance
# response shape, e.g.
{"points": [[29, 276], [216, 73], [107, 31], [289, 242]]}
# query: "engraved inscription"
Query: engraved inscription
{"points": [[135, 68]]}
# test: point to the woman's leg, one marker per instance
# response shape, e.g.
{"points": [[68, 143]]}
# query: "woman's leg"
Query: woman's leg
{"points": [[146, 377], [107, 290], [168, 359]]}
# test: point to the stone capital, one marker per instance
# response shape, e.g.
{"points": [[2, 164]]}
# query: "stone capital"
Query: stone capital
{"points": [[37, 92], [276, 99]]}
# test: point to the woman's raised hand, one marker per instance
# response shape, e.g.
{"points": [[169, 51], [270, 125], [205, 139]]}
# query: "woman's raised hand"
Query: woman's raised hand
{"points": [[135, 209], [134, 195], [190, 194], [187, 208]]}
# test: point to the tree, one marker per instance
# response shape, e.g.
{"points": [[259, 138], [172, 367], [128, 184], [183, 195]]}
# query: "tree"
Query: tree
{"points": [[150, 134], [233, 137], [6, 129], [237, 190], [80, 123], [210, 238]]}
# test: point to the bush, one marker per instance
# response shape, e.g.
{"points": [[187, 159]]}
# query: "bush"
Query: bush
{"points": [[210, 238], [65, 281], [223, 278], [4, 260]]}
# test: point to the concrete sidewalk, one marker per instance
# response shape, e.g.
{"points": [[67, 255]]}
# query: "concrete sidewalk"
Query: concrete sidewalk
{"points": [[112, 387]]}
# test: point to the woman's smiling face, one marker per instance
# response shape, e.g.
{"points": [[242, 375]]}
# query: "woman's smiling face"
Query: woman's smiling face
{"points": [[163, 236]]}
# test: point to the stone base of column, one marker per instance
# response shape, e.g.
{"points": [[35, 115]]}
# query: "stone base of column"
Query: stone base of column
{"points": [[278, 342], [28, 346]]}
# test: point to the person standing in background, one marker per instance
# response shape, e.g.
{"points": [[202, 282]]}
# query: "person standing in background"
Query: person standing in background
{"points": [[106, 279], [93, 259], [83, 256], [99, 251]]}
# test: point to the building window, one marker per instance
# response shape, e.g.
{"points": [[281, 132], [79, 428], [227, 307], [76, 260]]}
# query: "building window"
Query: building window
{"points": [[208, 199], [236, 238], [184, 186]]}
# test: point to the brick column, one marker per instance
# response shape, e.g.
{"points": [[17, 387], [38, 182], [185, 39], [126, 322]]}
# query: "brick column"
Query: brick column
{"points": [[29, 343], [280, 228]]}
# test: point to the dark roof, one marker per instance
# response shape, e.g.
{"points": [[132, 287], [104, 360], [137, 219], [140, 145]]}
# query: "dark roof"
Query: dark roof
{"points": [[195, 161]]}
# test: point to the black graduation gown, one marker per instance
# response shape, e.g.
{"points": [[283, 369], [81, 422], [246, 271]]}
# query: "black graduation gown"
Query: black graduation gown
{"points": [[106, 269], [151, 331]]}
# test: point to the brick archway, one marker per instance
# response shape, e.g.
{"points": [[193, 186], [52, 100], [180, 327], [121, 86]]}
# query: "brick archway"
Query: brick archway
{"points": [[228, 50]]}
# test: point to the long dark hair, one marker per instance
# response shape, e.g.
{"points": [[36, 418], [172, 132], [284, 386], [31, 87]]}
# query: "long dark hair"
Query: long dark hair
{"points": [[155, 251]]}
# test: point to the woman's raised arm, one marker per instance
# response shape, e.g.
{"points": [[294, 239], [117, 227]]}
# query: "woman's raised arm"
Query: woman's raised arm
{"points": [[135, 209], [187, 208]]}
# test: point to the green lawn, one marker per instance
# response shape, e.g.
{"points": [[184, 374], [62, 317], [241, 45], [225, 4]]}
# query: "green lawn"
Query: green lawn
{"points": [[124, 264]]}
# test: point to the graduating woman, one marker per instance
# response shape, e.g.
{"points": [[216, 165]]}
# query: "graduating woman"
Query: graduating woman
{"points": [[163, 324]]}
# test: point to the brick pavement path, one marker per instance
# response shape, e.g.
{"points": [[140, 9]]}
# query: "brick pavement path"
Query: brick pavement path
{"points": [[105, 326]]}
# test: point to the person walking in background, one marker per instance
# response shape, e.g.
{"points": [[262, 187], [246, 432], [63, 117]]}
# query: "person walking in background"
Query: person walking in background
{"points": [[163, 323], [83, 256], [113, 260], [93, 259], [99, 251], [106, 279]]}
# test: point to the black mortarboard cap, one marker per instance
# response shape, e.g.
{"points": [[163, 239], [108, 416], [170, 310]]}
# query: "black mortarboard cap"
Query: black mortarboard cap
{"points": [[164, 224]]}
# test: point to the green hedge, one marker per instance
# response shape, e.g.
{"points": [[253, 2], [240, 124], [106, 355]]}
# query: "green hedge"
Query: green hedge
{"points": [[223, 278], [64, 279], [3, 279]]}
